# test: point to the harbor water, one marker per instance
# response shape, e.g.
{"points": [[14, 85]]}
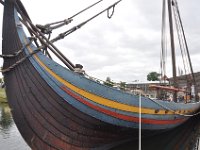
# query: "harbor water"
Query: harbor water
{"points": [[185, 137], [10, 138]]}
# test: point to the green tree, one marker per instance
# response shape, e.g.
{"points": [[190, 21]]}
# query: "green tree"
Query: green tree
{"points": [[153, 76], [108, 82], [122, 85], [1, 80], [5, 117]]}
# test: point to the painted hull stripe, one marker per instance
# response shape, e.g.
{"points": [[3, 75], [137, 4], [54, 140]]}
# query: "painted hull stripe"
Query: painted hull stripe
{"points": [[96, 98], [120, 116]]}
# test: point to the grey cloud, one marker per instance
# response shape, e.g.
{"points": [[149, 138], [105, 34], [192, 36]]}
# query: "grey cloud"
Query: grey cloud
{"points": [[126, 47]]}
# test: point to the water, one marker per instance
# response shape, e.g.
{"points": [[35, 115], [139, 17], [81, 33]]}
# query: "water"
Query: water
{"points": [[185, 137], [10, 138]]}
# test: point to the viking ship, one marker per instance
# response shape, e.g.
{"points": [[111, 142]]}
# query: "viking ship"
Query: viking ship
{"points": [[59, 107]]}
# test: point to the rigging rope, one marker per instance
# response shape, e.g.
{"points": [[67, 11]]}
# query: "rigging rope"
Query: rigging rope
{"points": [[184, 48], [45, 41], [181, 42], [184, 39], [19, 61], [109, 15], [66, 33], [37, 50], [48, 28], [19, 51]]}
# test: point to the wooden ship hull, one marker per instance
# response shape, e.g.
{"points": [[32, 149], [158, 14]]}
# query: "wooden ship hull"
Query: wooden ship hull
{"points": [[56, 108]]}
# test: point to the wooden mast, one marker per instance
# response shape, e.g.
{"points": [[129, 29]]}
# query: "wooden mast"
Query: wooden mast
{"points": [[172, 48], [189, 59]]}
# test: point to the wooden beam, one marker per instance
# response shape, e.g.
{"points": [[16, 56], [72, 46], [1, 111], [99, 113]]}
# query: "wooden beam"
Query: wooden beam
{"points": [[172, 47]]}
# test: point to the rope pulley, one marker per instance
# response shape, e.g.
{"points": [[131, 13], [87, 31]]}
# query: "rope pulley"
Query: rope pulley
{"points": [[66, 33], [39, 30], [48, 28]]}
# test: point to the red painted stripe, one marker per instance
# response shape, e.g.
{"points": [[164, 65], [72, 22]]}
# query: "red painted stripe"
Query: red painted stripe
{"points": [[121, 116]]}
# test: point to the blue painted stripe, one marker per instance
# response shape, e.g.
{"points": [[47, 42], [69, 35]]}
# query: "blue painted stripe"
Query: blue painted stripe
{"points": [[56, 86]]}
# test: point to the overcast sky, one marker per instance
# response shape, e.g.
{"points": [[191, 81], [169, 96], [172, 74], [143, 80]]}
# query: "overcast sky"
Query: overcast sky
{"points": [[124, 48]]}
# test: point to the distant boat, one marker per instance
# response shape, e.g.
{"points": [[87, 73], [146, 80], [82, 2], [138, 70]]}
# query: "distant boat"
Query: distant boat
{"points": [[55, 107]]}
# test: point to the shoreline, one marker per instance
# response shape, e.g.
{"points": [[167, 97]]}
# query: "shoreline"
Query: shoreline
{"points": [[3, 96], [3, 100]]}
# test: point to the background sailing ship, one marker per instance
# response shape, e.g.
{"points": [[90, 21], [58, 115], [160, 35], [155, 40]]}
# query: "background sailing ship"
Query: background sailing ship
{"points": [[58, 107]]}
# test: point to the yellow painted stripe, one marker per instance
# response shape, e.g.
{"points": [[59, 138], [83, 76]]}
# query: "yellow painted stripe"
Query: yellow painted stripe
{"points": [[96, 98]]}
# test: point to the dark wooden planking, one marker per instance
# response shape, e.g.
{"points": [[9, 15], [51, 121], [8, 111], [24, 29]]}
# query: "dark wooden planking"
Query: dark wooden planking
{"points": [[62, 106], [84, 118], [43, 99], [47, 121], [10, 78], [12, 82], [51, 99], [44, 118]]}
